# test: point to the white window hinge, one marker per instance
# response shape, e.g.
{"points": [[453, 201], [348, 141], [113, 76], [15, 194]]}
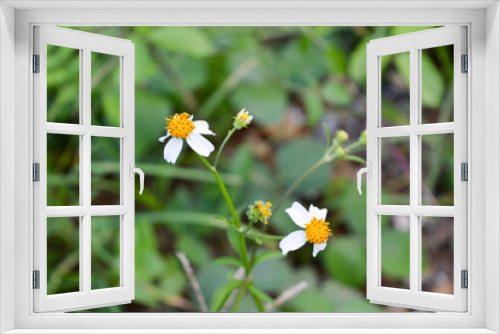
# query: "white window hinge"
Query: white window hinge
{"points": [[464, 171], [36, 63], [36, 279], [464, 279], [36, 172], [465, 64]]}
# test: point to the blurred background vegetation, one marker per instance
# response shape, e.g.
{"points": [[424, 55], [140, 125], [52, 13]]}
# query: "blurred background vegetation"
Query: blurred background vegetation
{"points": [[293, 80]]}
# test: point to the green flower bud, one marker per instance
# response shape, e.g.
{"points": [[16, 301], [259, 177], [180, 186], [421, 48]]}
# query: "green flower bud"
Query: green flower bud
{"points": [[341, 136], [363, 138]]}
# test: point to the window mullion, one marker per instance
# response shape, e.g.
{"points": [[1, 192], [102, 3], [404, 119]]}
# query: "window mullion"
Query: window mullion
{"points": [[85, 246], [415, 257]]}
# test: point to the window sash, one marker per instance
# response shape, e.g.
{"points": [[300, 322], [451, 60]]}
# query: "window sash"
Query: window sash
{"points": [[85, 298], [413, 43]]}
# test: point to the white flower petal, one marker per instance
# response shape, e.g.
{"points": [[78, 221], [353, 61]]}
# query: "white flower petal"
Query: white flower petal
{"points": [[299, 214], [172, 150], [293, 241], [317, 213], [202, 127], [318, 248], [162, 139], [200, 144]]}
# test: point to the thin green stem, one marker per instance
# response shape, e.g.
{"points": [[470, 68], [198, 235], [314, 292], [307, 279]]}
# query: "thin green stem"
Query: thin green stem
{"points": [[217, 157], [240, 295], [308, 172], [244, 254], [224, 192]]}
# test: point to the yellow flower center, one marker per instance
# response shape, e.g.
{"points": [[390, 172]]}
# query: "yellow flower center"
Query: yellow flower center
{"points": [[317, 231], [265, 210], [180, 126], [244, 116]]}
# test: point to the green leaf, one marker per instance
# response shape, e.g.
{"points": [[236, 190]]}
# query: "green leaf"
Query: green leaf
{"points": [[234, 239], [345, 260], [190, 41], [395, 254], [228, 260], [314, 107], [222, 294], [258, 293], [355, 159], [268, 256], [336, 93], [266, 102], [195, 250], [432, 83], [357, 63], [295, 158]]}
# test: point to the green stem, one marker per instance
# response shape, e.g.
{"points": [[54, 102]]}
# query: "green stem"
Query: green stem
{"points": [[244, 254], [217, 157], [299, 181], [240, 295], [230, 204]]}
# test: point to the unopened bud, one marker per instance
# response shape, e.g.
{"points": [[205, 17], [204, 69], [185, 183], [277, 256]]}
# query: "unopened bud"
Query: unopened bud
{"points": [[242, 119], [341, 136]]}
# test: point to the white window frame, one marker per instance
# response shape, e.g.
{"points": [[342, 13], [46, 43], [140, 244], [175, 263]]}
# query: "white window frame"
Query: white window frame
{"points": [[85, 43], [16, 22]]}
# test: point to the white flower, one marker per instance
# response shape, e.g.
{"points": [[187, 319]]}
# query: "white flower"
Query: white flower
{"points": [[316, 229], [183, 127]]}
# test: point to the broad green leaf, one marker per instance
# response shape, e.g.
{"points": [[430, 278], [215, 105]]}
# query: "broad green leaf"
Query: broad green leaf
{"points": [[302, 63], [298, 156], [195, 250], [336, 93], [258, 293], [274, 275], [336, 60], [432, 83], [395, 254], [345, 260], [312, 300], [191, 41], [357, 63], [211, 277], [268, 256], [314, 107], [228, 260], [222, 294], [266, 102]]}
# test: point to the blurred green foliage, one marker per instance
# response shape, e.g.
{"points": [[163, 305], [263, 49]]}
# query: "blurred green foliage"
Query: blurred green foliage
{"points": [[293, 80]]}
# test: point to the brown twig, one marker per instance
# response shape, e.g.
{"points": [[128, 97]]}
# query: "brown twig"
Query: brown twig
{"points": [[287, 295], [192, 280]]}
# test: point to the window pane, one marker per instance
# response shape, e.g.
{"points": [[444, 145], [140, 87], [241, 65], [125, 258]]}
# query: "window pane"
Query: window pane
{"points": [[105, 101], [437, 169], [63, 255], [437, 248], [63, 170], [395, 92], [437, 84], [105, 171], [63, 84], [395, 262], [105, 259], [395, 170]]}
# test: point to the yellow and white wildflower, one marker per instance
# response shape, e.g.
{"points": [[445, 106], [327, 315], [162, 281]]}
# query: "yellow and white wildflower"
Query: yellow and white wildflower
{"points": [[316, 229], [242, 119], [181, 127]]}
